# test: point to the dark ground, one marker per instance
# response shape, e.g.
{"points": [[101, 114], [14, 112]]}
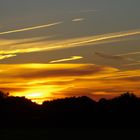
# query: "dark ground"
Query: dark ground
{"points": [[40, 134], [70, 118]]}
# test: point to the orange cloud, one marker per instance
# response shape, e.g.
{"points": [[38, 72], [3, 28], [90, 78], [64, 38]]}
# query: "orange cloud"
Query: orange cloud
{"points": [[7, 56], [47, 81], [37, 44]]}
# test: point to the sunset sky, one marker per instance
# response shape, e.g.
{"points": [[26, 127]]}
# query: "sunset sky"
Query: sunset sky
{"points": [[60, 48]]}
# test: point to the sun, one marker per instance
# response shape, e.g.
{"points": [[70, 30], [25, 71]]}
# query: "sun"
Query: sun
{"points": [[39, 94], [34, 95]]}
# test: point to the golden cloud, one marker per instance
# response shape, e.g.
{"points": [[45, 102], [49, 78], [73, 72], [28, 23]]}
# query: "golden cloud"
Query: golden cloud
{"points": [[37, 44], [7, 56], [67, 59], [47, 81]]}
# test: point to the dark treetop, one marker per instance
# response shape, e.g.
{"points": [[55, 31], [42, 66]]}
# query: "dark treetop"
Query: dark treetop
{"points": [[122, 112]]}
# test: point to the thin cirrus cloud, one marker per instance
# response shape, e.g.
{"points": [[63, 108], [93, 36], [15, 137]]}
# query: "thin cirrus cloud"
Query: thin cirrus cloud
{"points": [[121, 57], [133, 64], [115, 57], [127, 54], [30, 28], [13, 47], [67, 59], [78, 19]]}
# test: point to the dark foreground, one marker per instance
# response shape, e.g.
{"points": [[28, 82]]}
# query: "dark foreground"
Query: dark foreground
{"points": [[67, 133], [121, 114]]}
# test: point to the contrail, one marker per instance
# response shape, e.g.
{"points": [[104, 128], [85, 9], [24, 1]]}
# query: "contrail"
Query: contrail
{"points": [[63, 44], [108, 36], [29, 28], [67, 59]]}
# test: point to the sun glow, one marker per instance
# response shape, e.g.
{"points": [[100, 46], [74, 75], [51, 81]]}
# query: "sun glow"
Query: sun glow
{"points": [[39, 94], [34, 95], [40, 82]]}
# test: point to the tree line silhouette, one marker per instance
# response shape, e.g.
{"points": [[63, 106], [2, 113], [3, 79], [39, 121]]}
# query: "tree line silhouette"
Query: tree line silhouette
{"points": [[122, 112]]}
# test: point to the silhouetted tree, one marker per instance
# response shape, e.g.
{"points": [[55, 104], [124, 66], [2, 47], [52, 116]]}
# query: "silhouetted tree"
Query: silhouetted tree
{"points": [[3, 95], [122, 112]]}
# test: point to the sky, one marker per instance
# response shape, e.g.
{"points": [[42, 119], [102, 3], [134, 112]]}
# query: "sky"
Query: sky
{"points": [[59, 48]]}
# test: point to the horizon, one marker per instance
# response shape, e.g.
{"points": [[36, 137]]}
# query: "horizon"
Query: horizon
{"points": [[51, 49], [126, 95]]}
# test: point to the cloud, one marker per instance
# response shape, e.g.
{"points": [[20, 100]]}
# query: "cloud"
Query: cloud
{"points": [[95, 94], [63, 80], [133, 64], [30, 28], [7, 56], [115, 57], [58, 70], [121, 57], [67, 59], [36, 45], [78, 19], [127, 54]]}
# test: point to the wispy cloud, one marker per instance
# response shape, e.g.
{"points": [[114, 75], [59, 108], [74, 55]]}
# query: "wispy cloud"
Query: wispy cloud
{"points": [[127, 54], [121, 57], [29, 28], [36, 45], [115, 57], [133, 64], [67, 59], [7, 56], [78, 19]]}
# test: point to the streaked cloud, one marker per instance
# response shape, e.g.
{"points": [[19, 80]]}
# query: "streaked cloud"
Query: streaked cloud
{"points": [[133, 64], [7, 56], [47, 81], [29, 28], [67, 59], [127, 54], [121, 57], [36, 45], [115, 57], [78, 19]]}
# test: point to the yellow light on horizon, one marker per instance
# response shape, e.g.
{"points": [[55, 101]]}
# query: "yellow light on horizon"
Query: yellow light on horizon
{"points": [[34, 95], [39, 94]]}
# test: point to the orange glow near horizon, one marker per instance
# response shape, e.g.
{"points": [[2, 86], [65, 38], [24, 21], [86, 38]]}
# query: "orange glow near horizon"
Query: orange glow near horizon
{"points": [[40, 82], [39, 93]]}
